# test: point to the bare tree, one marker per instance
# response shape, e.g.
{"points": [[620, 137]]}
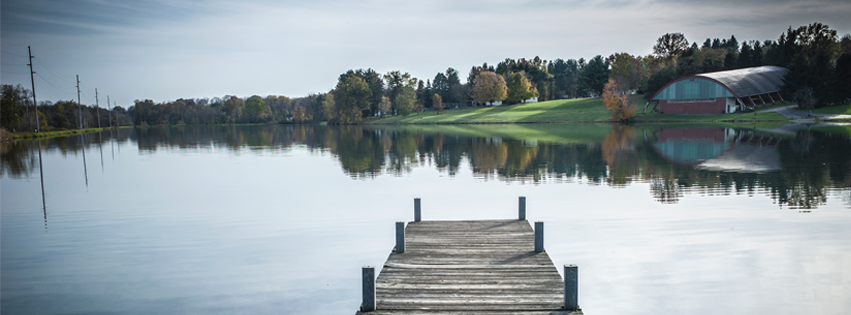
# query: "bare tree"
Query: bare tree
{"points": [[805, 98], [670, 45]]}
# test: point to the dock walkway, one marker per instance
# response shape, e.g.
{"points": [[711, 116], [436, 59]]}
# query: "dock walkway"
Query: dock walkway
{"points": [[468, 267]]}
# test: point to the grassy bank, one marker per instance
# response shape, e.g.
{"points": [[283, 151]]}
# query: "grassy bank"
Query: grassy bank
{"points": [[58, 133], [586, 110], [838, 110]]}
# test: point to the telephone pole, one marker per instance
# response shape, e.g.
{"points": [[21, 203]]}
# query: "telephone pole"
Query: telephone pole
{"points": [[108, 112], [32, 80], [79, 105], [97, 106]]}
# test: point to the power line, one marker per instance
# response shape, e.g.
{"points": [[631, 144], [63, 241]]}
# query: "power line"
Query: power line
{"points": [[12, 54], [51, 71], [51, 84], [12, 64]]}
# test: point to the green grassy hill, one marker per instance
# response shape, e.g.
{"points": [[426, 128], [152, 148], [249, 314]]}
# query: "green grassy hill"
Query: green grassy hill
{"points": [[576, 110], [559, 111]]}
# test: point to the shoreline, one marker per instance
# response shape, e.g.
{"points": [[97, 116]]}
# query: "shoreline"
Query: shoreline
{"points": [[572, 111]]}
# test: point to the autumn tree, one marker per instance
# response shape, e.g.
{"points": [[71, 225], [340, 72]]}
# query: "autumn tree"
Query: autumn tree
{"points": [[670, 45], [231, 109], [489, 87], [279, 105], [520, 89], [384, 106], [300, 113], [437, 103], [476, 70], [616, 102]]}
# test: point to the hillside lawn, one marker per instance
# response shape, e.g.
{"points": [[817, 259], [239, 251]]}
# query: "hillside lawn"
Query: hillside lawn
{"points": [[839, 110], [585, 110]]}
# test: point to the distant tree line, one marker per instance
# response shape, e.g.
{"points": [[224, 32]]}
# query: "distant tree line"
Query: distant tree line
{"points": [[819, 64], [17, 113]]}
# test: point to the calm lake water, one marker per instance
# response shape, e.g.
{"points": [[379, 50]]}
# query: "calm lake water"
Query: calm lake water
{"points": [[280, 219]]}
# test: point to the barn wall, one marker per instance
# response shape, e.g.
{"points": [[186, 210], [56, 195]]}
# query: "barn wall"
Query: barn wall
{"points": [[719, 106]]}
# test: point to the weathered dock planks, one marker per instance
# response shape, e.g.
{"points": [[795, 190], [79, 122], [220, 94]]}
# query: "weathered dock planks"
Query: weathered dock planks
{"points": [[469, 267]]}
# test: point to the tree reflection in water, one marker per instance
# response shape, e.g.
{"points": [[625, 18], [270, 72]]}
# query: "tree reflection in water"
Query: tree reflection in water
{"points": [[798, 170]]}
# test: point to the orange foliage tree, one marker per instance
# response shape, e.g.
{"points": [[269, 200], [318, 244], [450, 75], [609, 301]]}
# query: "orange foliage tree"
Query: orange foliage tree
{"points": [[616, 102]]}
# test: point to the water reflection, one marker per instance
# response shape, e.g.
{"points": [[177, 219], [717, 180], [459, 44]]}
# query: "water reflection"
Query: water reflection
{"points": [[796, 169]]}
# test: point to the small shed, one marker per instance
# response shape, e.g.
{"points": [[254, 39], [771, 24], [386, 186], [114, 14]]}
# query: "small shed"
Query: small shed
{"points": [[720, 92]]}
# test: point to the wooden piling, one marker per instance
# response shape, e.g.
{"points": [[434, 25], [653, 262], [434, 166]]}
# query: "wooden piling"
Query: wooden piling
{"points": [[400, 237], [571, 287], [417, 213], [368, 304], [521, 215]]}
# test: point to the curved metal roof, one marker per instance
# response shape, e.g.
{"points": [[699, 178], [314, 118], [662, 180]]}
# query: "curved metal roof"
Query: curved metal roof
{"points": [[749, 81]]}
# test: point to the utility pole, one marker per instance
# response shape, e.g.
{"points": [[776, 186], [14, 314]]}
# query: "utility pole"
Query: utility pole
{"points": [[108, 112], [32, 80], [97, 106], [79, 105]]}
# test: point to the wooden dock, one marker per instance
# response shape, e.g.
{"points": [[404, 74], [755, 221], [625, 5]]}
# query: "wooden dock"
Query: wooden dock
{"points": [[469, 267]]}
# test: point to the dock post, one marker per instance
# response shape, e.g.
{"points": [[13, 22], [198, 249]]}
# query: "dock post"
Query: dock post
{"points": [[368, 303], [522, 209], [400, 237], [571, 287], [417, 213], [539, 236]]}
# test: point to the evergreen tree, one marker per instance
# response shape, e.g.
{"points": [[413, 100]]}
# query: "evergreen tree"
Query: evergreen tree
{"points": [[716, 43], [595, 75], [733, 44], [756, 54], [745, 56], [730, 61]]}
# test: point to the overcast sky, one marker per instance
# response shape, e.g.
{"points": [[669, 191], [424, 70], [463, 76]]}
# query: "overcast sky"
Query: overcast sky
{"points": [[169, 49]]}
